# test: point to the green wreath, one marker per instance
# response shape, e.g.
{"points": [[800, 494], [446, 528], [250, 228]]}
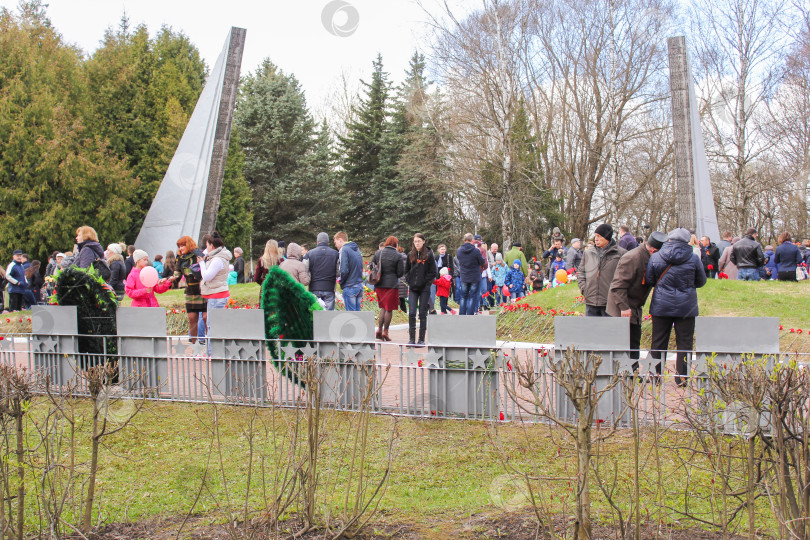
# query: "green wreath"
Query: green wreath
{"points": [[96, 306], [288, 308]]}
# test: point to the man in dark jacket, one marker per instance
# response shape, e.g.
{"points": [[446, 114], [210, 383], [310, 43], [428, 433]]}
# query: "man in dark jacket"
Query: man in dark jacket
{"points": [[17, 284], [709, 257], [350, 264], [597, 269], [470, 266], [323, 262], [748, 256], [676, 273], [626, 240], [628, 290]]}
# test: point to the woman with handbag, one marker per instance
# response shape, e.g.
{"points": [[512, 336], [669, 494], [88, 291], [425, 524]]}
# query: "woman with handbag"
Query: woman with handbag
{"points": [[196, 305], [389, 266]]}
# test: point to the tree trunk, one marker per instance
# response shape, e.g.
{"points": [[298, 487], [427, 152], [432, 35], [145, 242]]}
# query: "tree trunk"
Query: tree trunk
{"points": [[583, 526], [20, 471], [91, 481]]}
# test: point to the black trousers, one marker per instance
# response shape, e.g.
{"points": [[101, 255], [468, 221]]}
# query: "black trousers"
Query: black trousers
{"points": [[15, 301], [418, 300], [635, 340], [787, 276], [684, 334]]}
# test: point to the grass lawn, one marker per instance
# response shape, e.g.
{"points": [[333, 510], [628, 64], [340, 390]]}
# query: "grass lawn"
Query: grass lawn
{"points": [[443, 471]]}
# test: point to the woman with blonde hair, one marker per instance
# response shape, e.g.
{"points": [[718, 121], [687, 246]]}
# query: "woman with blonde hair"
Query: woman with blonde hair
{"points": [[270, 258], [693, 241], [88, 246]]}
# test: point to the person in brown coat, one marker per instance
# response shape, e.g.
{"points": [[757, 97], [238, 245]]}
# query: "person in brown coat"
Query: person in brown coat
{"points": [[596, 270], [294, 264], [628, 291]]}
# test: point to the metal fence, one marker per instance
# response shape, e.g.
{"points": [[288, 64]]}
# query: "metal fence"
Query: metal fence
{"points": [[508, 383]]}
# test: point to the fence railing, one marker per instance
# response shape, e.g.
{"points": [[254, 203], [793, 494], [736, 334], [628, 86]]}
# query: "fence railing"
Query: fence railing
{"points": [[461, 373]]}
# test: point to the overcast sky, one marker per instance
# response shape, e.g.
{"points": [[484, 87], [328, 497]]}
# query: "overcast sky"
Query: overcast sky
{"points": [[313, 39]]}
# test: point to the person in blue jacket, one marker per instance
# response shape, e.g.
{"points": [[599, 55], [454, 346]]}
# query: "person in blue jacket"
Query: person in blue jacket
{"points": [[17, 284], [676, 273], [516, 281], [770, 263], [786, 258]]}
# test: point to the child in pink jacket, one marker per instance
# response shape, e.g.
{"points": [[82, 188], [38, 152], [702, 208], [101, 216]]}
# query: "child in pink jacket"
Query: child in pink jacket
{"points": [[141, 295]]}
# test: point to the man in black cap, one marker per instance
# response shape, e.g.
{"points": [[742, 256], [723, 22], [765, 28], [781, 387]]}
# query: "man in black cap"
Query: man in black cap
{"points": [[17, 284], [596, 270], [628, 290]]}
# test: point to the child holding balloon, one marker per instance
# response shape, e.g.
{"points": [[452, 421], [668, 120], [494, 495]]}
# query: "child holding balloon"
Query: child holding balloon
{"points": [[143, 282]]}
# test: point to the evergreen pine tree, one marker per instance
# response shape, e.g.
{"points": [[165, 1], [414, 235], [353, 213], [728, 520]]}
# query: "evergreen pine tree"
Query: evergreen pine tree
{"points": [[235, 216], [281, 157], [416, 199], [363, 183]]}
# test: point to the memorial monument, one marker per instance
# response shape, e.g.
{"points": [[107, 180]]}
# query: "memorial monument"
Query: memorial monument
{"points": [[695, 208], [187, 201]]}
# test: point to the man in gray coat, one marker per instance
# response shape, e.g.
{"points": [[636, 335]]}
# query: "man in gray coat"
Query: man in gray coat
{"points": [[596, 271]]}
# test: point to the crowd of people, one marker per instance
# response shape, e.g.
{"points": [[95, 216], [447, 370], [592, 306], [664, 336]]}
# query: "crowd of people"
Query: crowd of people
{"points": [[616, 278], [615, 275], [205, 274]]}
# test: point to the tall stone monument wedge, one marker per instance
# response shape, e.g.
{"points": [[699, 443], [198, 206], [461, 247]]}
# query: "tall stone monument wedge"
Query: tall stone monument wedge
{"points": [[187, 201], [695, 208]]}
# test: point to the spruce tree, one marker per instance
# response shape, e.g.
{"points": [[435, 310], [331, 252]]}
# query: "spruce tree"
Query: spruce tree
{"points": [[235, 216], [281, 157], [416, 199], [363, 184]]}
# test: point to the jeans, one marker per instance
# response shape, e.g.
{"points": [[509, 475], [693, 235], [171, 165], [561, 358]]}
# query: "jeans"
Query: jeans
{"points": [[596, 311], [353, 297], [748, 274], [457, 290], [482, 290], [432, 300], [443, 304], [467, 303], [327, 297], [214, 303]]}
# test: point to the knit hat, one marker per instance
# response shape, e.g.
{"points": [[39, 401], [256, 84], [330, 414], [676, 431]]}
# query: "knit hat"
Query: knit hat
{"points": [[516, 262], [498, 257], [680, 235], [517, 244], [138, 255], [605, 231], [444, 271], [59, 255], [323, 238], [114, 248], [657, 240]]}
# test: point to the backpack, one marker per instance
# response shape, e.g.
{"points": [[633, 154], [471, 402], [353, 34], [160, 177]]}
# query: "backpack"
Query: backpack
{"points": [[103, 269], [374, 272]]}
